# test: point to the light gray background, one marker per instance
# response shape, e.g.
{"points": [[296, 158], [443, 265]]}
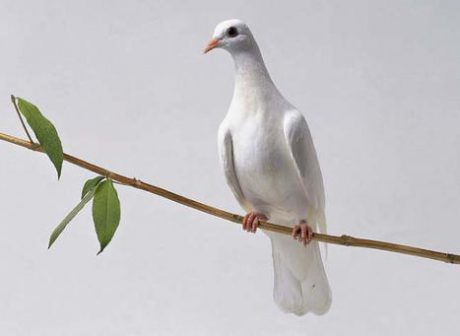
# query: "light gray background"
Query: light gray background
{"points": [[128, 88]]}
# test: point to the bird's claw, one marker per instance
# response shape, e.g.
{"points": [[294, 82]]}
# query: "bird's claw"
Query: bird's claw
{"points": [[302, 232], [251, 221]]}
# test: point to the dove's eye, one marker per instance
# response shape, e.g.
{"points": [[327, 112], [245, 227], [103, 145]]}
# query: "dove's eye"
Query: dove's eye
{"points": [[232, 32]]}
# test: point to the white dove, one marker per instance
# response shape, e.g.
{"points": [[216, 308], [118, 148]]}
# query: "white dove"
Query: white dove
{"points": [[271, 166]]}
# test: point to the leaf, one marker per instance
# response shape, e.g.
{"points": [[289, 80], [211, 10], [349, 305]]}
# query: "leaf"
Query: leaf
{"points": [[45, 132], [91, 183], [62, 225], [106, 212]]}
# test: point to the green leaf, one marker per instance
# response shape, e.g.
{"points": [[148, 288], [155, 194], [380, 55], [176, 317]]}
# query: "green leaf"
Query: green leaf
{"points": [[45, 132], [106, 212], [90, 184], [62, 225]]}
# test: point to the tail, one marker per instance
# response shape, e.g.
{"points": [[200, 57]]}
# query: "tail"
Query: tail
{"points": [[301, 284]]}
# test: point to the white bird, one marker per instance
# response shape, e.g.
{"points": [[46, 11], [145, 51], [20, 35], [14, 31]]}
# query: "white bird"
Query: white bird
{"points": [[271, 166]]}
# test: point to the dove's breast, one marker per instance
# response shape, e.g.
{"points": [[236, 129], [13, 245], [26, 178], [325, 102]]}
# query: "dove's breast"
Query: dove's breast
{"points": [[265, 170]]}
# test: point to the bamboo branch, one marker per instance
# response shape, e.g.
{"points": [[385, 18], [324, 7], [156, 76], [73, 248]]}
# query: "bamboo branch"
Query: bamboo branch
{"points": [[338, 240]]}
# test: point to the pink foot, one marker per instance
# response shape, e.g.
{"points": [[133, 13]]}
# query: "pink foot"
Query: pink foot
{"points": [[251, 221], [302, 232]]}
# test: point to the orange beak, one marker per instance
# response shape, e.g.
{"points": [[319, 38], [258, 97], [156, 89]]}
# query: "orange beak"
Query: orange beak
{"points": [[211, 45]]}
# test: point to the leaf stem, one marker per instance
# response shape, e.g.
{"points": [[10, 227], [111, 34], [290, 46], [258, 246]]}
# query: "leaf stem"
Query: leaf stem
{"points": [[13, 100], [343, 240]]}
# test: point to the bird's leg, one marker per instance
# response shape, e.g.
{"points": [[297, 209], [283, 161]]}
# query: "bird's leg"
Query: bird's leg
{"points": [[251, 221], [302, 232]]}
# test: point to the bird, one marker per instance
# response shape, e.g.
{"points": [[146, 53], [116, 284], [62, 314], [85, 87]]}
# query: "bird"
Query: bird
{"points": [[271, 166]]}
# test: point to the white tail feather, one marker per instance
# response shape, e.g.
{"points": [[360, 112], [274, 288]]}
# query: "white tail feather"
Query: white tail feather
{"points": [[301, 284]]}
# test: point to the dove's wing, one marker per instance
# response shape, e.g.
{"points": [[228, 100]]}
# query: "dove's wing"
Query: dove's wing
{"points": [[303, 153], [225, 144]]}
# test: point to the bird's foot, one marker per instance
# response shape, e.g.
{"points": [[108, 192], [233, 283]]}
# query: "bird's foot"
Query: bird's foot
{"points": [[302, 232], [251, 221]]}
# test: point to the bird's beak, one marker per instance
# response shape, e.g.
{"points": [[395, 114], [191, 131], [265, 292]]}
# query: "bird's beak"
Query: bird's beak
{"points": [[211, 45]]}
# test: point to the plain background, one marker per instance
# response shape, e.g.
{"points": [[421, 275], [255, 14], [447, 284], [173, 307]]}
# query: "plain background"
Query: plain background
{"points": [[128, 88]]}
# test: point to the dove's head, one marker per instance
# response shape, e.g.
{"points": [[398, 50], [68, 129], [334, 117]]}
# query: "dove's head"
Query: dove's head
{"points": [[231, 35]]}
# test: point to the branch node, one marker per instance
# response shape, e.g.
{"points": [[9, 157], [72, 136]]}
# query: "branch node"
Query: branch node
{"points": [[347, 240], [137, 182], [451, 258]]}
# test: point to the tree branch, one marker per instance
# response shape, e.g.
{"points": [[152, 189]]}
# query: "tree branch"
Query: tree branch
{"points": [[338, 240]]}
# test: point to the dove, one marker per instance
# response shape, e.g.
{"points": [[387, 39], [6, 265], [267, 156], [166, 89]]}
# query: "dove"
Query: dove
{"points": [[271, 166]]}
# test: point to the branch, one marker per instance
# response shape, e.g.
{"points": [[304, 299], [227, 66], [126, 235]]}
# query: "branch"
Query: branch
{"points": [[338, 240]]}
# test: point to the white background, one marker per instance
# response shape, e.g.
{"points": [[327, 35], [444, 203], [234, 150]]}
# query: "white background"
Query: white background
{"points": [[128, 88]]}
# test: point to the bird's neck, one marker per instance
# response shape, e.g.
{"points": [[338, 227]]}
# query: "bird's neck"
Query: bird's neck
{"points": [[251, 74]]}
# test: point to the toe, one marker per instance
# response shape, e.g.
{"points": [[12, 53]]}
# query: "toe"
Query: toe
{"points": [[309, 234], [251, 218], [303, 233], [245, 221], [255, 224], [295, 231]]}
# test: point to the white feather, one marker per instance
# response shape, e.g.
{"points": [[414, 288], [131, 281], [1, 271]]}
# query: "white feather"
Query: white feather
{"points": [[271, 166]]}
